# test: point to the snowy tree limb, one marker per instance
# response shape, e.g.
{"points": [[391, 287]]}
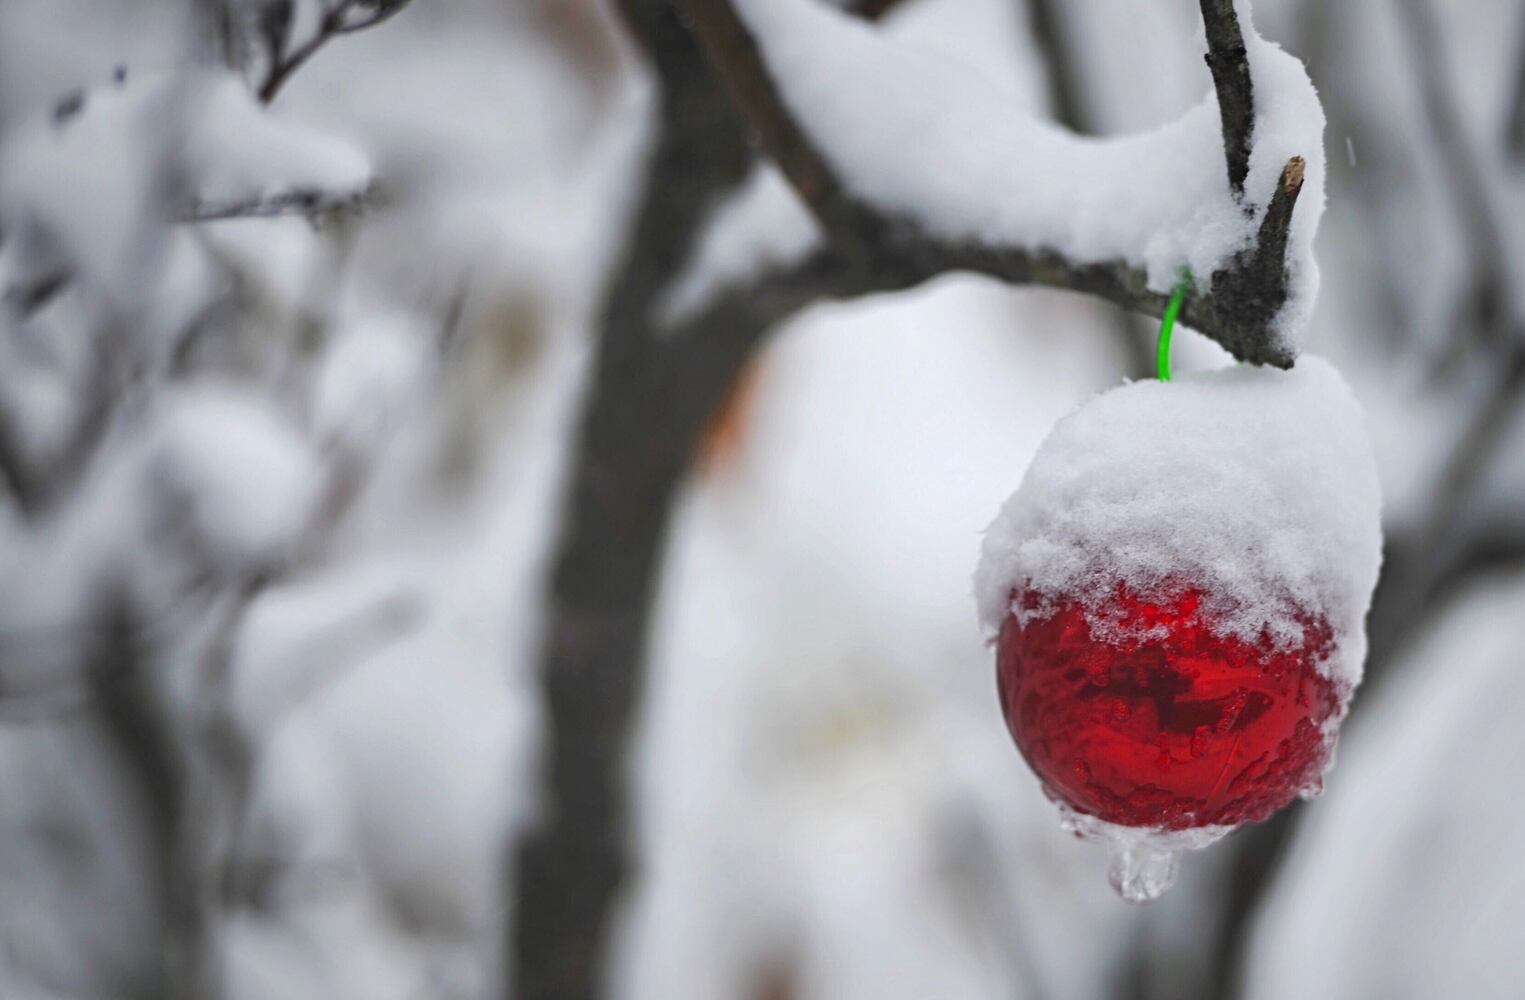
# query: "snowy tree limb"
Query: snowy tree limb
{"points": [[1242, 301]]}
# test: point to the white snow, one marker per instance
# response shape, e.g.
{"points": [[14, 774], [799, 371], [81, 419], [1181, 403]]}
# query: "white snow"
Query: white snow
{"points": [[1254, 484], [236, 151], [762, 226], [372, 369], [245, 478], [920, 135]]}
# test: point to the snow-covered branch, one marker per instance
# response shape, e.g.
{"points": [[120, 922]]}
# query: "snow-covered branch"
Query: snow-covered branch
{"points": [[854, 119], [308, 202]]}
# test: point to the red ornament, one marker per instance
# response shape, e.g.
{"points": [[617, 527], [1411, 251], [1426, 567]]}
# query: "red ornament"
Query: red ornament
{"points": [[1141, 715]]}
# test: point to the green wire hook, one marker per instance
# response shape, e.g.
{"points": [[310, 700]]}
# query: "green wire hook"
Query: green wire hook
{"points": [[1168, 325]]}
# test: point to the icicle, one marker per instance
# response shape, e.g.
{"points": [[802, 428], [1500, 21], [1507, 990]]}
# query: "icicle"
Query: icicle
{"points": [[1145, 862]]}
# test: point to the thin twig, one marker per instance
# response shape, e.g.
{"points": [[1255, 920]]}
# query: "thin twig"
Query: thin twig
{"points": [[1230, 65], [27, 299], [308, 202], [32, 489], [15, 473], [874, 10], [337, 20], [1514, 128], [132, 721]]}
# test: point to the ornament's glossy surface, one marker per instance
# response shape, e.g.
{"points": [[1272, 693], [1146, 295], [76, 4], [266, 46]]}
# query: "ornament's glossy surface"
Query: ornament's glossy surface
{"points": [[1180, 728]]}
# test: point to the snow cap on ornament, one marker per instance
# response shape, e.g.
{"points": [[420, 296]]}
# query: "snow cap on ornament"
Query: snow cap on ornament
{"points": [[1178, 592]]}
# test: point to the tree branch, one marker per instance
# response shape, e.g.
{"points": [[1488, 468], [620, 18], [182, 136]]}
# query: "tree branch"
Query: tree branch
{"points": [[643, 411], [874, 10], [15, 475], [345, 17], [1046, 22], [1238, 310], [1514, 134], [308, 202], [1230, 66]]}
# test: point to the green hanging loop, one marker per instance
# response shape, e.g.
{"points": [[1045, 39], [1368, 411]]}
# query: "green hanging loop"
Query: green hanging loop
{"points": [[1168, 325]]}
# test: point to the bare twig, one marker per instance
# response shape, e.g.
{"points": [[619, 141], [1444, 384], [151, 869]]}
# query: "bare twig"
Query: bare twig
{"points": [[134, 723], [1046, 21], [1238, 310], [309, 202], [15, 473], [1514, 128], [345, 17], [29, 298], [1230, 66], [33, 489]]}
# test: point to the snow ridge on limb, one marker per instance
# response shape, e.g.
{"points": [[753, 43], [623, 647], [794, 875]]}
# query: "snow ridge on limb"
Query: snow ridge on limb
{"points": [[916, 165]]}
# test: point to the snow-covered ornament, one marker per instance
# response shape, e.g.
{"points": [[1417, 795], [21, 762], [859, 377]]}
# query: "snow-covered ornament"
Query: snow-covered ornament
{"points": [[1178, 593]]}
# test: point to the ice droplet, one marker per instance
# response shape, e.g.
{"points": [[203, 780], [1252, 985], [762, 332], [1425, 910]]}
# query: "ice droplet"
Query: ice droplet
{"points": [[1144, 861], [1142, 872]]}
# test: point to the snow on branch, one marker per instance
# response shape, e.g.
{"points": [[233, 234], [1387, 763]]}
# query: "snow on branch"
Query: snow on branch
{"points": [[916, 166], [245, 162]]}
